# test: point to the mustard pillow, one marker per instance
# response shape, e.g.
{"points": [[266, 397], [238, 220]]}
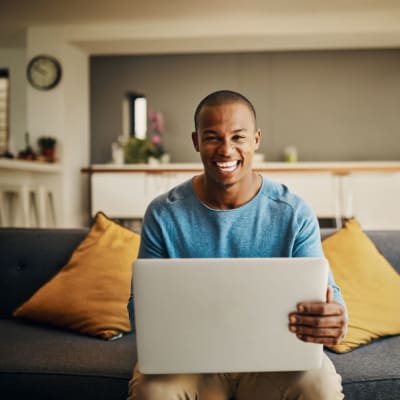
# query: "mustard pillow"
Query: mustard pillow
{"points": [[370, 286], [90, 293]]}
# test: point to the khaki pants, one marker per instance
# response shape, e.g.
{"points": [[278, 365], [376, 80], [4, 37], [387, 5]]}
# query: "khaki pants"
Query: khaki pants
{"points": [[317, 384]]}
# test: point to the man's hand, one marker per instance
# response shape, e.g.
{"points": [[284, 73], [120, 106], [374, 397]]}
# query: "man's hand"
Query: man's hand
{"points": [[319, 322]]}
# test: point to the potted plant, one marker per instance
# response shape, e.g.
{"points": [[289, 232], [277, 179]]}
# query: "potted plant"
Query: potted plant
{"points": [[27, 153], [138, 150], [47, 146]]}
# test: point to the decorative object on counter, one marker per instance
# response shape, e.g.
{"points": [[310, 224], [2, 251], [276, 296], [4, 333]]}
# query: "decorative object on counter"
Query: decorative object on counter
{"points": [[8, 155], [165, 158], [138, 150], [134, 115], [44, 72], [258, 158], [156, 132], [47, 146], [27, 153], [118, 150], [290, 154], [156, 122], [148, 150], [117, 153]]}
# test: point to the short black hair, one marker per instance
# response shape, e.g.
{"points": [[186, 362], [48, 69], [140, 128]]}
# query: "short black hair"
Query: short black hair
{"points": [[222, 97]]}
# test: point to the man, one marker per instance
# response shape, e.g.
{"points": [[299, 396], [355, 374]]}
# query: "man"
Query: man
{"points": [[230, 211]]}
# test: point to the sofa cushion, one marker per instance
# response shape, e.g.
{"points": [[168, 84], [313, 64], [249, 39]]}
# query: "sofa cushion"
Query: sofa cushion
{"points": [[370, 286], [371, 372], [43, 362], [29, 259], [91, 292]]}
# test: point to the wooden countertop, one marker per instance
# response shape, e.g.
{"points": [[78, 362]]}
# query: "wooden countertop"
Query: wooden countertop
{"points": [[339, 167]]}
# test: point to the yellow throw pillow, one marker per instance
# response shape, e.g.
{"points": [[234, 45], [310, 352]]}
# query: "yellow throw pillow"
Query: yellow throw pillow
{"points": [[90, 293], [370, 286]]}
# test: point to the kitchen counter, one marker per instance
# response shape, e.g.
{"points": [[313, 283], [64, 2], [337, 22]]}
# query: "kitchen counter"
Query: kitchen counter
{"points": [[337, 167], [28, 166], [368, 190]]}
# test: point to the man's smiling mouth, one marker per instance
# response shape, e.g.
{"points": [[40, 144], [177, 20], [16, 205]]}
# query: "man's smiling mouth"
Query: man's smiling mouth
{"points": [[228, 166]]}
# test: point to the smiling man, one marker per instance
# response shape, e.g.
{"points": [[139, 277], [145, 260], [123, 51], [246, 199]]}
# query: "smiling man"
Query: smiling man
{"points": [[231, 211], [226, 137]]}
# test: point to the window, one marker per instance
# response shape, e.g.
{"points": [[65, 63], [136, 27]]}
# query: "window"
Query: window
{"points": [[4, 110]]}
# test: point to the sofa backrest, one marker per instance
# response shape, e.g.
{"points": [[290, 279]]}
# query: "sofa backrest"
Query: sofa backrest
{"points": [[30, 257]]}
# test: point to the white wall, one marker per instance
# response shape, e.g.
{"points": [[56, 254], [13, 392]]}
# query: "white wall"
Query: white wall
{"points": [[14, 60], [63, 112]]}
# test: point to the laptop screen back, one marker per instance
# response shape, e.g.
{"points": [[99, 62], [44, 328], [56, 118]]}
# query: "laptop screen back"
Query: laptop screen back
{"points": [[224, 315]]}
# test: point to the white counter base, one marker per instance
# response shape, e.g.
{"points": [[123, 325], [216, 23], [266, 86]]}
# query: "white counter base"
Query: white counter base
{"points": [[369, 191]]}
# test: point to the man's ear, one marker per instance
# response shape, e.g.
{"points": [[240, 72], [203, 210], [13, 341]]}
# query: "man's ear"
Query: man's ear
{"points": [[195, 140], [258, 138]]}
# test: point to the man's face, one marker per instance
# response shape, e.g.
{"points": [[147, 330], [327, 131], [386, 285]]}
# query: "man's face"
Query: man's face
{"points": [[226, 138]]}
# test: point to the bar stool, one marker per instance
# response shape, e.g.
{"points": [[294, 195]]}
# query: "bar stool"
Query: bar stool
{"points": [[27, 206], [18, 202], [45, 206]]}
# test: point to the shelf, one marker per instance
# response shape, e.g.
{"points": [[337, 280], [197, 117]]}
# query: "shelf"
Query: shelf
{"points": [[29, 166]]}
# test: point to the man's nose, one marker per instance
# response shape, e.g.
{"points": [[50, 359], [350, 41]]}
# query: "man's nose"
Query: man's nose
{"points": [[225, 148]]}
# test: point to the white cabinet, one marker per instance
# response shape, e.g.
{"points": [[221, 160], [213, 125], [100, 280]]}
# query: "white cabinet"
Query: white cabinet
{"points": [[375, 199], [319, 189], [370, 193], [156, 184], [371, 197], [118, 195], [127, 194]]}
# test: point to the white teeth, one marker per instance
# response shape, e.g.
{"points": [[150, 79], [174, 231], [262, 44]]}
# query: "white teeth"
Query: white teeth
{"points": [[227, 166]]}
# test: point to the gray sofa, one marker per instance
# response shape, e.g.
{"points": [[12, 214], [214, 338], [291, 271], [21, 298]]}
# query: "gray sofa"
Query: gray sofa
{"points": [[47, 363]]}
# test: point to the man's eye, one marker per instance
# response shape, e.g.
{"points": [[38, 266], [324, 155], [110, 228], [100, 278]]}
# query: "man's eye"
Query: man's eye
{"points": [[210, 139], [238, 138]]}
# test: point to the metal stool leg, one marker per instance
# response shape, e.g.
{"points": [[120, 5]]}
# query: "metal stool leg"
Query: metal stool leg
{"points": [[24, 198], [41, 202], [33, 207], [52, 207], [45, 206]]}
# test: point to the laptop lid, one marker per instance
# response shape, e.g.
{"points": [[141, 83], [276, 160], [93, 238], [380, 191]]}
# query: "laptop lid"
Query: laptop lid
{"points": [[224, 315]]}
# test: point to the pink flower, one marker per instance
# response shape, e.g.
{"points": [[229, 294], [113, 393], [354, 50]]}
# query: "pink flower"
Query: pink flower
{"points": [[156, 121], [156, 140]]}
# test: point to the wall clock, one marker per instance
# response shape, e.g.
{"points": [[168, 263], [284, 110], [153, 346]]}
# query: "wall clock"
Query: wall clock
{"points": [[44, 72]]}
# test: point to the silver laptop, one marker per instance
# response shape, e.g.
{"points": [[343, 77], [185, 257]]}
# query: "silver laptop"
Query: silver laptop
{"points": [[224, 315]]}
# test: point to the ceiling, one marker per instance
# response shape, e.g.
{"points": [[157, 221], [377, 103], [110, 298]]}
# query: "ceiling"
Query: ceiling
{"points": [[16, 16]]}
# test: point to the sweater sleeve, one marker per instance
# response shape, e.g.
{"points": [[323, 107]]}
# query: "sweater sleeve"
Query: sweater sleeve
{"points": [[308, 244], [152, 243]]}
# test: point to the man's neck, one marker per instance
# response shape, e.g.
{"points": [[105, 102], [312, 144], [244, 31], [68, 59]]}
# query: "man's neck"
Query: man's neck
{"points": [[227, 197]]}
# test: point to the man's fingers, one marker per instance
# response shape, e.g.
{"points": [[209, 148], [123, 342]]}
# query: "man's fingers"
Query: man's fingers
{"points": [[319, 322], [319, 308], [334, 332], [329, 294], [326, 341], [326, 322]]}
